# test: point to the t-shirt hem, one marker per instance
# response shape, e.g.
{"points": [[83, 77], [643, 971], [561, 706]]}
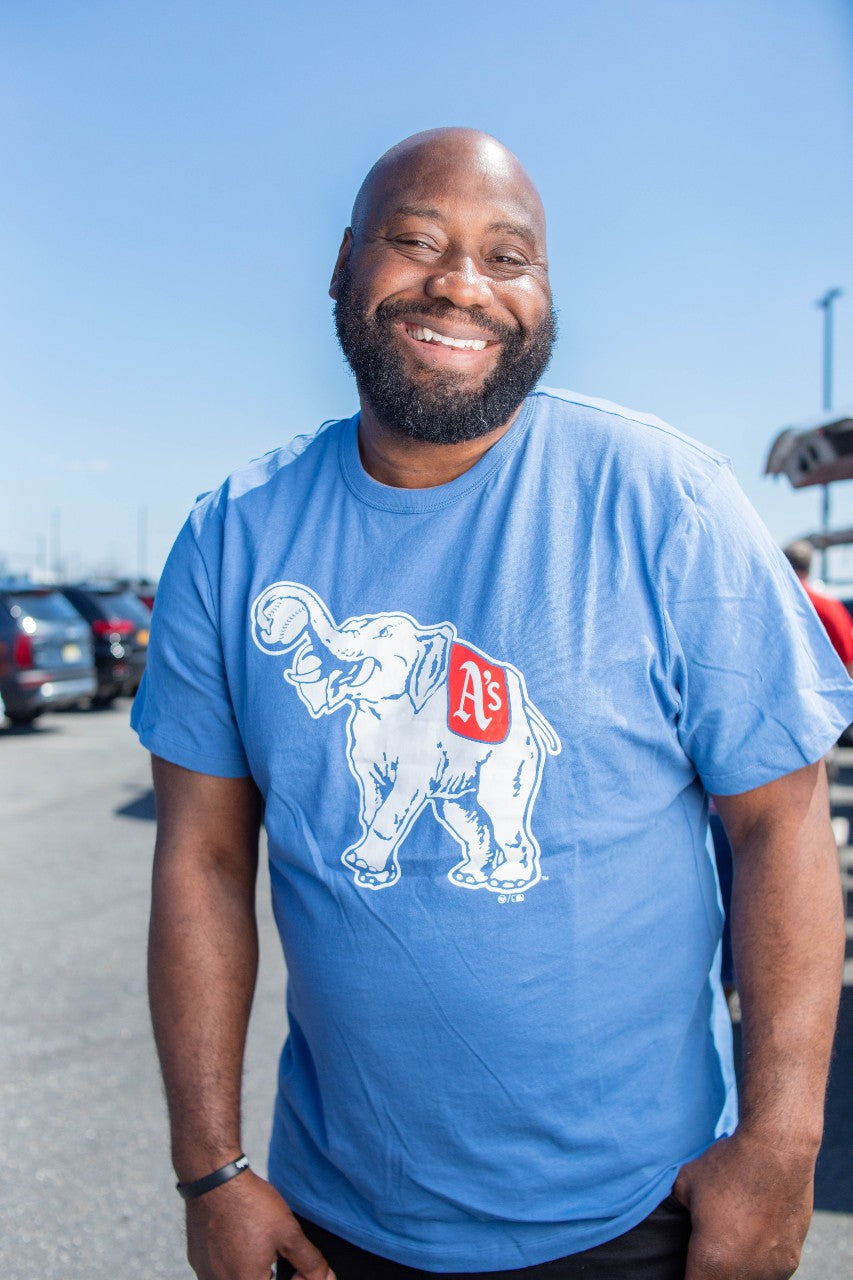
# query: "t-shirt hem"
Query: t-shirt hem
{"points": [[733, 781], [176, 753], [532, 1251]]}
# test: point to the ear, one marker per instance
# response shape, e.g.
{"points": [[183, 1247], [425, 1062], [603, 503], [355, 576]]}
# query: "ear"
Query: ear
{"points": [[431, 666], [343, 255]]}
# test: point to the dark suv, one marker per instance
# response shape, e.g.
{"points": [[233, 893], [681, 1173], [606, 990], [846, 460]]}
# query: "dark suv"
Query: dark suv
{"points": [[119, 622], [46, 657]]}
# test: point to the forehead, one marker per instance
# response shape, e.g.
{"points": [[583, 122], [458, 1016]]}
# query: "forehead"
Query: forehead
{"points": [[484, 186]]}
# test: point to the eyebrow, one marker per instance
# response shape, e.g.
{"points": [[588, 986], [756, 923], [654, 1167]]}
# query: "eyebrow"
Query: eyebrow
{"points": [[514, 229], [423, 211], [417, 211]]}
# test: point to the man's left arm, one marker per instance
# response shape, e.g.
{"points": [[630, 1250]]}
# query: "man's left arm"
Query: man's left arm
{"points": [[750, 1195]]}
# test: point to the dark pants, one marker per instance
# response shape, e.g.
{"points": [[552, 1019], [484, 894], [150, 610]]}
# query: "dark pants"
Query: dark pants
{"points": [[656, 1249]]}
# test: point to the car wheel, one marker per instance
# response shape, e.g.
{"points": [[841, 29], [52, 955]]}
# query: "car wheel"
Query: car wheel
{"points": [[23, 717]]}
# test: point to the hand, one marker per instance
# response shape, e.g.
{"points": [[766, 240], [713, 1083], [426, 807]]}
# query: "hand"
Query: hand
{"points": [[237, 1231], [750, 1203]]}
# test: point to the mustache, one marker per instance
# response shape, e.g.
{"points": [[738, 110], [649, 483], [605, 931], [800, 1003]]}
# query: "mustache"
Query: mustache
{"points": [[388, 311]]}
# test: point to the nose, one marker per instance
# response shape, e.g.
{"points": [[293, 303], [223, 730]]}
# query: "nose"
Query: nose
{"points": [[459, 282]]}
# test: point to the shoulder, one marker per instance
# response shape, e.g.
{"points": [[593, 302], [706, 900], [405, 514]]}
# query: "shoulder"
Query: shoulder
{"points": [[627, 429], [633, 452], [251, 488]]}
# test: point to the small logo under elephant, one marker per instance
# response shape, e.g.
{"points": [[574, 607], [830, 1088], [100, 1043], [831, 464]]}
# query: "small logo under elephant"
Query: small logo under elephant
{"points": [[433, 723]]}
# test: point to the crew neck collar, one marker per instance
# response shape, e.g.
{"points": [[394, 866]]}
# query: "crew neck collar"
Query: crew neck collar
{"points": [[389, 498]]}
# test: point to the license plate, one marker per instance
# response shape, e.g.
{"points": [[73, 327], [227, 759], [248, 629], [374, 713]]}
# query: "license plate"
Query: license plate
{"points": [[71, 653], [142, 637]]}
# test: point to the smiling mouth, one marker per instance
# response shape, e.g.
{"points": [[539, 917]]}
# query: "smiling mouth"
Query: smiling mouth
{"points": [[421, 334]]}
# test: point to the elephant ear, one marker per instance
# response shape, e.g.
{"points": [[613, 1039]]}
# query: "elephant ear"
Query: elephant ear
{"points": [[431, 665]]}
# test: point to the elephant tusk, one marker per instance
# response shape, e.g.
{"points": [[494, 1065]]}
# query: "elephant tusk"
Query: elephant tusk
{"points": [[308, 670], [305, 677], [367, 669], [307, 666]]}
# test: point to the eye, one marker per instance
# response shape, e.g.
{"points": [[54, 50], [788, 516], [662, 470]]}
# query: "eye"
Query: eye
{"points": [[386, 631], [413, 242], [508, 258]]}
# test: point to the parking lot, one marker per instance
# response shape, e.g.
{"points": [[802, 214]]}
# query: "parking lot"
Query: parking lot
{"points": [[87, 1189]]}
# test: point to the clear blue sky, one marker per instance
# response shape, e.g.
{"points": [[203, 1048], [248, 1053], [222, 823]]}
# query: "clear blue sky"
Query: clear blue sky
{"points": [[177, 175]]}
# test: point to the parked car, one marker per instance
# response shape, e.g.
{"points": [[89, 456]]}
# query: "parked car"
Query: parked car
{"points": [[144, 588], [119, 622], [46, 651]]}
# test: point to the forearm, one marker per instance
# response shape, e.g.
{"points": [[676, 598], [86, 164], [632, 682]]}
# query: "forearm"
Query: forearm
{"points": [[202, 968], [203, 960], [788, 940], [750, 1195]]}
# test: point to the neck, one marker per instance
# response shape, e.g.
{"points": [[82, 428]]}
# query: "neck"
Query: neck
{"points": [[403, 463]]}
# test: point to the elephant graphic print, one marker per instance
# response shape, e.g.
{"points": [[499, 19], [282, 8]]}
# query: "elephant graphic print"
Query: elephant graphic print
{"points": [[433, 723]]}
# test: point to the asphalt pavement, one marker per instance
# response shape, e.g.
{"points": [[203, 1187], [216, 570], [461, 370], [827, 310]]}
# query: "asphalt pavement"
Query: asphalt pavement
{"points": [[86, 1187]]}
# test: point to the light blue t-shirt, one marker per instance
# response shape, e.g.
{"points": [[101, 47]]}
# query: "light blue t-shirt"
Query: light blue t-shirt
{"points": [[484, 718]]}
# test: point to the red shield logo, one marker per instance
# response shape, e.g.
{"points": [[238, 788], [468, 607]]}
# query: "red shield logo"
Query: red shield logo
{"points": [[478, 702]]}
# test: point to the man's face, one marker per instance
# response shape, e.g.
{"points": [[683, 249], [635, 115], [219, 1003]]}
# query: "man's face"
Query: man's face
{"points": [[443, 308]]}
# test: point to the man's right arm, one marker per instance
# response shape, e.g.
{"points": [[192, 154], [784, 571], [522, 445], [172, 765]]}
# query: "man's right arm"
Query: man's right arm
{"points": [[202, 964]]}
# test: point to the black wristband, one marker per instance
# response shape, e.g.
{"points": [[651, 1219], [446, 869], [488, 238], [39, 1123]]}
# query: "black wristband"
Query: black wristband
{"points": [[190, 1190]]}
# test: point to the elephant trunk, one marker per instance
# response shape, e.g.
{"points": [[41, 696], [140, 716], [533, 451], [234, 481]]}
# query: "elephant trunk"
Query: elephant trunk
{"points": [[283, 613], [345, 646], [287, 610]]}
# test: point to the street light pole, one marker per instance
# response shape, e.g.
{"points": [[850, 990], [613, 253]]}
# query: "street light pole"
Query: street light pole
{"points": [[825, 303]]}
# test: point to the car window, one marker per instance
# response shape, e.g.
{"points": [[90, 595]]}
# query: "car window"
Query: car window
{"points": [[123, 604], [44, 606]]}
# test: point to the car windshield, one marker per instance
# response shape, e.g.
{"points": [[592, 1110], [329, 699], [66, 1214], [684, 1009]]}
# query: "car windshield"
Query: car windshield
{"points": [[44, 606]]}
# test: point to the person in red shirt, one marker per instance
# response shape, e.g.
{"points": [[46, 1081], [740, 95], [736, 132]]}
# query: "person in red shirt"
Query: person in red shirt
{"points": [[835, 618]]}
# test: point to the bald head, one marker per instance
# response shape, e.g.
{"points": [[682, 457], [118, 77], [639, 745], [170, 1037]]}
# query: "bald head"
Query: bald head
{"points": [[446, 159]]}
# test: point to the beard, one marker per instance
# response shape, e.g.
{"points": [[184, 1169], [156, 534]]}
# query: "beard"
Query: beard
{"points": [[437, 407]]}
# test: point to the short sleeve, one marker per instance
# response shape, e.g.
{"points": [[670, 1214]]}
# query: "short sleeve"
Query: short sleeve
{"points": [[761, 690], [183, 710]]}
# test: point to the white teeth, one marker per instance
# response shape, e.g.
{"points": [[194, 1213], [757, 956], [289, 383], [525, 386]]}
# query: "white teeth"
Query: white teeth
{"points": [[461, 344]]}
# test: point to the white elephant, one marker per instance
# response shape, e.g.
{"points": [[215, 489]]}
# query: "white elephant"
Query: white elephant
{"points": [[433, 721]]}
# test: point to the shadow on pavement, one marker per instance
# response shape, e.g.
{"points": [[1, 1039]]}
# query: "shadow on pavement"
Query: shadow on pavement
{"points": [[142, 807], [35, 729]]}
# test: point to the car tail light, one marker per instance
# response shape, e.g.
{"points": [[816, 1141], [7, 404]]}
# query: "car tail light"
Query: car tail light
{"points": [[22, 651], [112, 627]]}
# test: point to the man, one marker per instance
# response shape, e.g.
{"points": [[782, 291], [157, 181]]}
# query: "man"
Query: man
{"points": [[477, 655], [833, 615]]}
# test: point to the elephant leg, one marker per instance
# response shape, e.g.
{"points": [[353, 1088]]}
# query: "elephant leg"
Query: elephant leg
{"points": [[471, 828], [373, 858], [515, 865]]}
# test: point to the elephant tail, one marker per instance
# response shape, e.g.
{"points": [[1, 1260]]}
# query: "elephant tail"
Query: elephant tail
{"points": [[543, 731]]}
